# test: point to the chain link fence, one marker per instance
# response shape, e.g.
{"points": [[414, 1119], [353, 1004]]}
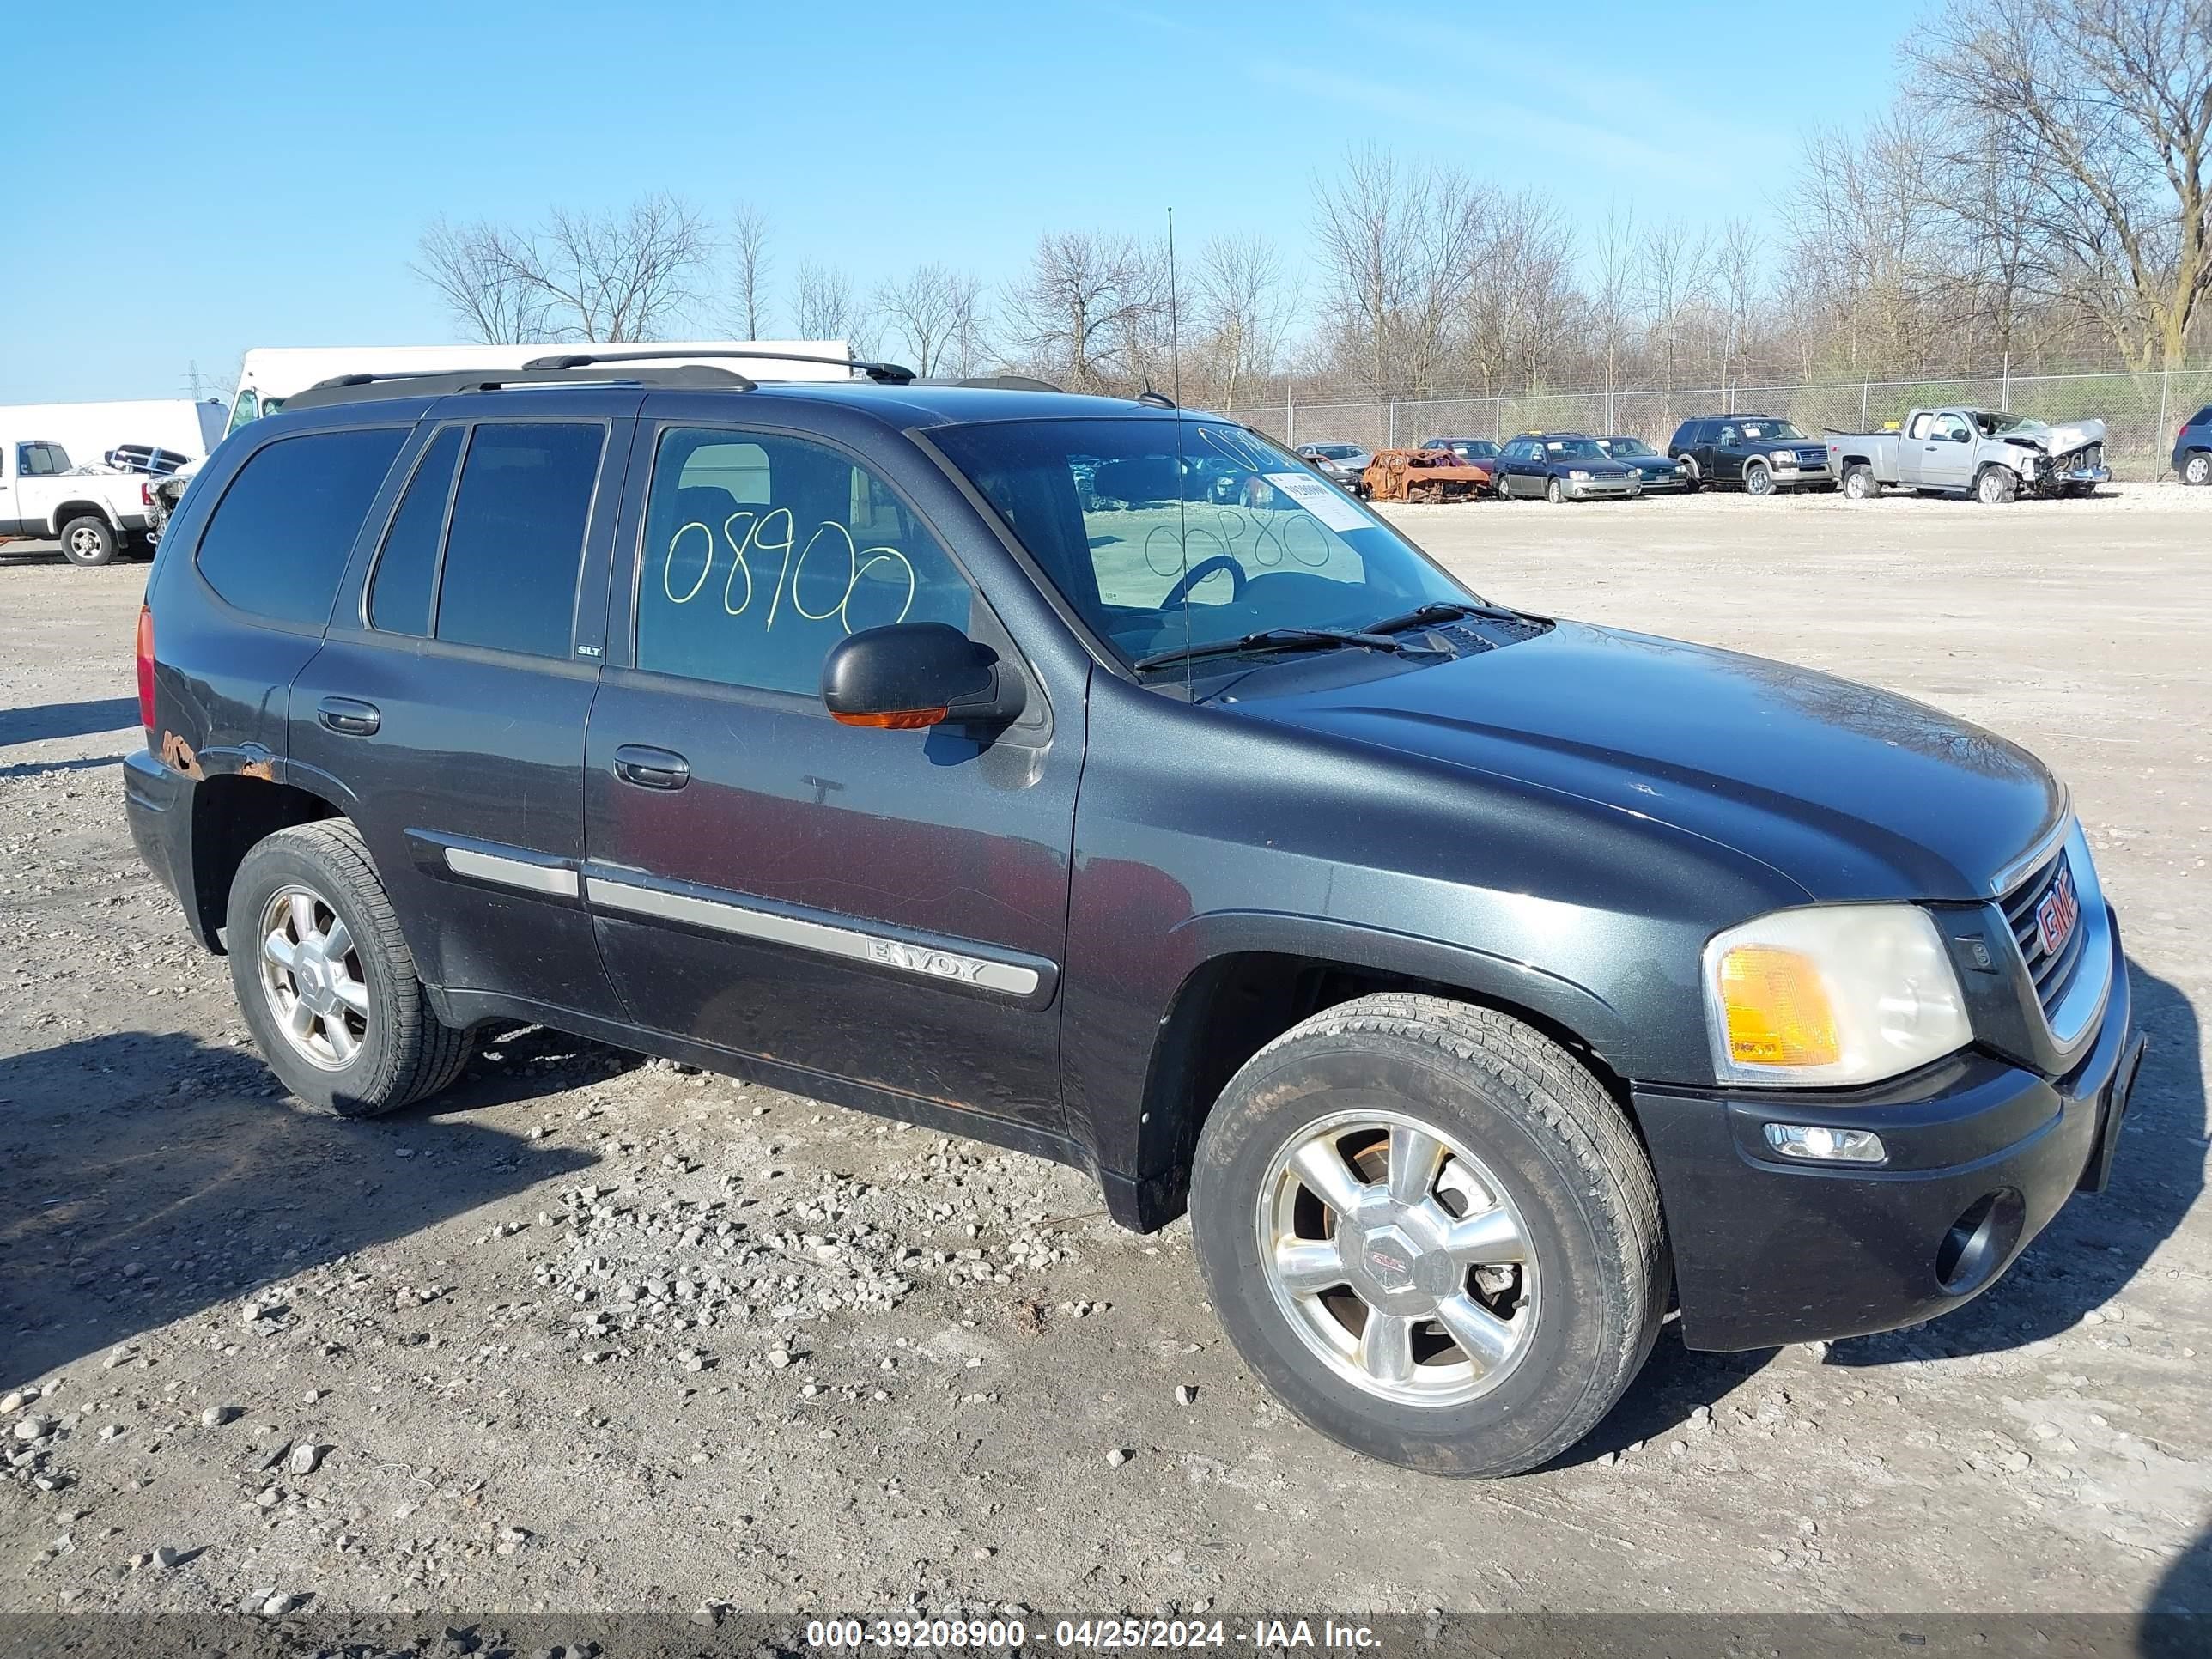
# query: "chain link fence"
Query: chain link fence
{"points": [[2140, 412]]}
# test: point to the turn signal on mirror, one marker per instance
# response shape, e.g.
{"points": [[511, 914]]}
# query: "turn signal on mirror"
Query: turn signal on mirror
{"points": [[1777, 1008]]}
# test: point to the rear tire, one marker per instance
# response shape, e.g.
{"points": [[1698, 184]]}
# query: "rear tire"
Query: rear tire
{"points": [[2197, 469], [1690, 482], [1491, 1199], [326, 979], [89, 542], [1997, 486], [1860, 484]]}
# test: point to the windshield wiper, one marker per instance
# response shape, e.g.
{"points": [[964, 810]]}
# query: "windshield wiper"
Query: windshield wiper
{"points": [[1442, 611], [1273, 639]]}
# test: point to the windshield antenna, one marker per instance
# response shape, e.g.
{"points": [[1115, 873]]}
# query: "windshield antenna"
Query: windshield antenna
{"points": [[1175, 342]]}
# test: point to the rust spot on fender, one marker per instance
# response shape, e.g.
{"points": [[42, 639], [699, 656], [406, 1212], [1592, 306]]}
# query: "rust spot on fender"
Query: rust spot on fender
{"points": [[177, 754], [264, 769]]}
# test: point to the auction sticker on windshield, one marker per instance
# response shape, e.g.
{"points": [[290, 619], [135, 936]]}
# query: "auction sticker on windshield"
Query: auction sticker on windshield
{"points": [[1318, 499]]}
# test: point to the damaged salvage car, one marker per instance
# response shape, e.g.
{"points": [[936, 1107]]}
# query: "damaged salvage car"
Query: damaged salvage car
{"points": [[1485, 985], [1985, 454]]}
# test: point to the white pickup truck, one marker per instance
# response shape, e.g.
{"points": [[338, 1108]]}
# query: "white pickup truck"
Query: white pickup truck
{"points": [[1988, 454], [92, 513]]}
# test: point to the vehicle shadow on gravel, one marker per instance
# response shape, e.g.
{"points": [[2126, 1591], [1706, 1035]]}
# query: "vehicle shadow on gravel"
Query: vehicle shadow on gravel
{"points": [[146, 1178], [2100, 1240], [67, 720]]}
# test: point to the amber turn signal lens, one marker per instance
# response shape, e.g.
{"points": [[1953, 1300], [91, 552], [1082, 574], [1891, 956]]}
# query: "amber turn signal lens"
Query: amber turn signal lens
{"points": [[1777, 1008], [897, 719]]}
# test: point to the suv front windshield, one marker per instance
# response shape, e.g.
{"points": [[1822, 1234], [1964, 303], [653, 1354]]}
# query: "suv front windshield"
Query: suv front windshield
{"points": [[1766, 431], [1164, 534], [1618, 448]]}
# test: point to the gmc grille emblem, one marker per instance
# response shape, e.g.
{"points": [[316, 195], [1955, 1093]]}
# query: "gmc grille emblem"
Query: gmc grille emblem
{"points": [[2056, 915]]}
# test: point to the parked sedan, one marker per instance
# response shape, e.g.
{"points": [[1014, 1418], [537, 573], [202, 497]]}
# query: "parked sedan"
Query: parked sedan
{"points": [[1563, 466], [1344, 465], [1467, 449], [1653, 470]]}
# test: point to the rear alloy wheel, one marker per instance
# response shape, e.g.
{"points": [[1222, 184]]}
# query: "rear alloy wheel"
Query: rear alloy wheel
{"points": [[1757, 479], [1997, 486], [1431, 1233], [326, 980], [1859, 483], [2198, 469], [1554, 493], [87, 542]]}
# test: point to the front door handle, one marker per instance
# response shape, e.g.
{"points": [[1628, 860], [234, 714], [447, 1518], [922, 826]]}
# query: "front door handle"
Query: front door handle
{"points": [[349, 716], [651, 769]]}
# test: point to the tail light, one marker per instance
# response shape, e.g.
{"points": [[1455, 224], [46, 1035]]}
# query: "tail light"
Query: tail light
{"points": [[146, 671], [145, 495]]}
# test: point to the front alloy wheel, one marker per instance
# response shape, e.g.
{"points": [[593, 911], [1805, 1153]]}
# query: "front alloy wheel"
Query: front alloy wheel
{"points": [[1397, 1258], [1758, 480]]}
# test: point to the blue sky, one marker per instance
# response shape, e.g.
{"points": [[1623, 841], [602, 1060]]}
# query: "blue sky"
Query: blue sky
{"points": [[260, 174]]}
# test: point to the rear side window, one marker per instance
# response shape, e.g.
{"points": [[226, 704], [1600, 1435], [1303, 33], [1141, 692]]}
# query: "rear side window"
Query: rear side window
{"points": [[278, 540], [2203, 416], [508, 580], [406, 569]]}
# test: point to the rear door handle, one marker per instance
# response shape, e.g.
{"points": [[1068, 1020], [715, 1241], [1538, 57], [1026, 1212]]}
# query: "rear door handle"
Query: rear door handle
{"points": [[651, 769], [348, 715]]}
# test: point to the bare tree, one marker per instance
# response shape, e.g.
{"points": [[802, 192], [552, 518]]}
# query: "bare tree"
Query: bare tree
{"points": [[825, 306], [750, 265], [935, 314], [1739, 259], [1240, 313], [1675, 262], [2107, 103], [1089, 311], [1615, 265], [581, 275], [475, 270], [1395, 248]]}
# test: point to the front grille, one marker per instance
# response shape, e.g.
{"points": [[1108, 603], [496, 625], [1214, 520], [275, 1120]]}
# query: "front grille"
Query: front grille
{"points": [[2051, 972]]}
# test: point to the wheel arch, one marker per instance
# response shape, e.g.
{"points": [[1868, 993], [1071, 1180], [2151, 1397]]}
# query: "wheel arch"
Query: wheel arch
{"points": [[1261, 975], [232, 813], [66, 511]]}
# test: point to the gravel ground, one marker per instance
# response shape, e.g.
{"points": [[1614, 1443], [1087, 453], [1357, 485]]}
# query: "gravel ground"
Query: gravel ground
{"points": [[594, 1332]]}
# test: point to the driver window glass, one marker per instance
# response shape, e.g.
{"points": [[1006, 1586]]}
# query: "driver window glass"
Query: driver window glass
{"points": [[1951, 429], [1728, 435], [762, 552]]}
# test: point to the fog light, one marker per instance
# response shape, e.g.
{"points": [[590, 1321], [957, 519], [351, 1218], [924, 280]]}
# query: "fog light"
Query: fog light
{"points": [[1825, 1145]]}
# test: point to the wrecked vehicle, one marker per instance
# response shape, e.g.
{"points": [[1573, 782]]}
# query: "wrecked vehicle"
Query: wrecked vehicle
{"points": [[1487, 986], [1425, 474], [1984, 452]]}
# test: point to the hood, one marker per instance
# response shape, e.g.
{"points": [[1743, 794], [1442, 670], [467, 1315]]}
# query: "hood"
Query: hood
{"points": [[2062, 439], [1848, 792]]}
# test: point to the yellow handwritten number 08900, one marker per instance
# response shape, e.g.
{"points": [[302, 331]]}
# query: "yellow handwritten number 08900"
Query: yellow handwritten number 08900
{"points": [[761, 530]]}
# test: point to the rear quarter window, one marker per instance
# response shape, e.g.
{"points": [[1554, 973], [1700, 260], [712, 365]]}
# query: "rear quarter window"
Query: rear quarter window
{"points": [[278, 541]]}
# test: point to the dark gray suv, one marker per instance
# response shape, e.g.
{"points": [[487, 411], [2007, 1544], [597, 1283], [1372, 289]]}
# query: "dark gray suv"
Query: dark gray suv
{"points": [[1482, 982]]}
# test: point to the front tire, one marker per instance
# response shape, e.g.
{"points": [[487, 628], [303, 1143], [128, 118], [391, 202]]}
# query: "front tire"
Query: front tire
{"points": [[89, 542], [1431, 1233], [325, 978], [1997, 486], [1554, 493], [1758, 480]]}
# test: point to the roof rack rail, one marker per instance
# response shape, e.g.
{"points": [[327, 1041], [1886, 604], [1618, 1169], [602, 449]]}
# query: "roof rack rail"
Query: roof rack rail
{"points": [[892, 374], [992, 382], [441, 382]]}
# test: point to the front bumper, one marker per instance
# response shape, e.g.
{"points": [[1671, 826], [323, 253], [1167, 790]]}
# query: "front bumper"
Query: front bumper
{"points": [[1598, 489], [2049, 479], [1801, 477], [1982, 1154]]}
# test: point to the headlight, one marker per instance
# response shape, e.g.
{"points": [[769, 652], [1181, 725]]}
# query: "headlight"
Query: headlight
{"points": [[1837, 995], [1577, 475]]}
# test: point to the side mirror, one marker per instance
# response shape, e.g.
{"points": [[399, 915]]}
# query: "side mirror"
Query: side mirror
{"points": [[911, 675]]}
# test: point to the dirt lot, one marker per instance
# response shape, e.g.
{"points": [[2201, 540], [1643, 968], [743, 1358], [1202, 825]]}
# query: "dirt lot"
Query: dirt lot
{"points": [[592, 1333]]}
